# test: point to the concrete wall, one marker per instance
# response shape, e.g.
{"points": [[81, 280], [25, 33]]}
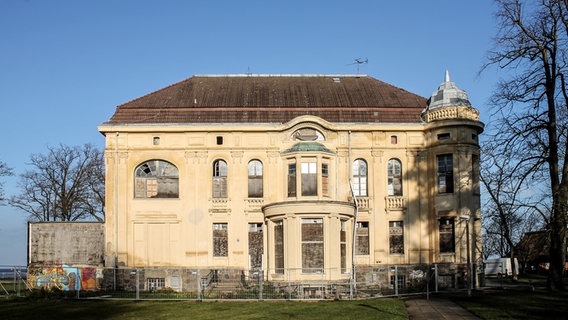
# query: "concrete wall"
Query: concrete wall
{"points": [[69, 243]]}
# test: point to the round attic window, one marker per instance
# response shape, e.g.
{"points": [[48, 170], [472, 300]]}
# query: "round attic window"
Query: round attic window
{"points": [[307, 134]]}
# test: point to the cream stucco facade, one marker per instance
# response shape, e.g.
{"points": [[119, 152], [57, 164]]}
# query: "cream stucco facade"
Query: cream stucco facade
{"points": [[281, 196]]}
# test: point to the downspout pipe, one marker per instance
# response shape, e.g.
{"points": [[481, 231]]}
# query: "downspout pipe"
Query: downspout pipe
{"points": [[356, 211], [116, 163]]}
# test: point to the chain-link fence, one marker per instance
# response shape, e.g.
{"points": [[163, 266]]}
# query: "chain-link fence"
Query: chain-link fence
{"points": [[221, 284], [13, 280]]}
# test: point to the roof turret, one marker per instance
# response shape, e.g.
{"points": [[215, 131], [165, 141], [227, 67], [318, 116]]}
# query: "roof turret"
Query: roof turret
{"points": [[448, 95]]}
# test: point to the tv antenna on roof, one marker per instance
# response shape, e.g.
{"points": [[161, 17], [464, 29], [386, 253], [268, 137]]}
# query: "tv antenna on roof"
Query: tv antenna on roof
{"points": [[359, 62]]}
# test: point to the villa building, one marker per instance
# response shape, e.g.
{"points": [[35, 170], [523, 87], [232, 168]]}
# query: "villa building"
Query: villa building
{"points": [[296, 175]]}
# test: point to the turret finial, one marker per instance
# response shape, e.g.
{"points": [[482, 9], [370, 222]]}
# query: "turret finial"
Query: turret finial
{"points": [[447, 78]]}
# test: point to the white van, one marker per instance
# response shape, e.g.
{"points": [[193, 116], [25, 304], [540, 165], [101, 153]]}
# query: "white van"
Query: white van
{"points": [[499, 267]]}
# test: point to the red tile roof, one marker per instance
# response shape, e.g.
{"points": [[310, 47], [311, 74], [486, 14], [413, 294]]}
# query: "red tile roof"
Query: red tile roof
{"points": [[273, 98]]}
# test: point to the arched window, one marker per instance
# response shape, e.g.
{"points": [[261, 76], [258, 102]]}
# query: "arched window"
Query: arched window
{"points": [[394, 178], [219, 179], [360, 178], [156, 179], [255, 179]]}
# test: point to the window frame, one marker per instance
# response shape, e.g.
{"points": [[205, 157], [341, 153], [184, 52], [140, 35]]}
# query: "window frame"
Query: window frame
{"points": [[292, 175], [475, 174], [151, 174], [219, 179], [445, 173], [325, 179], [220, 237], [362, 236], [309, 177], [392, 177], [279, 247], [360, 181], [256, 179], [447, 235], [343, 245], [311, 241], [396, 237]]}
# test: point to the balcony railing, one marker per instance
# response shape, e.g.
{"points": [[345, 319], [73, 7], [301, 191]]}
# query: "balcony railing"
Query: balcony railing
{"points": [[363, 203], [253, 204], [220, 205], [395, 203]]}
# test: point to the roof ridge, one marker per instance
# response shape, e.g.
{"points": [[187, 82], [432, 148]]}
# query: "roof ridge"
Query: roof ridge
{"points": [[281, 75]]}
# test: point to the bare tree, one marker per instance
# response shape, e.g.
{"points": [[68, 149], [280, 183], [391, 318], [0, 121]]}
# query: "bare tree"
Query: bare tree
{"points": [[66, 184], [501, 218], [4, 172], [531, 106]]}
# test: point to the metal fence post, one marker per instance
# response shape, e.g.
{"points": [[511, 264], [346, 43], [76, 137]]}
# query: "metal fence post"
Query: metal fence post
{"points": [[260, 285], [199, 285], [288, 283], [137, 284], [396, 280], [16, 280], [323, 286], [436, 277], [78, 284]]}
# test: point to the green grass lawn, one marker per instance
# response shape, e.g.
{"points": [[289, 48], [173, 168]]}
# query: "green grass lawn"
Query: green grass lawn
{"points": [[511, 304], [113, 309]]}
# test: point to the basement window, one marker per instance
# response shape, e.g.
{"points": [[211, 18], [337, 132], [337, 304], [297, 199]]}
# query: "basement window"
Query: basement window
{"points": [[400, 281], [153, 284]]}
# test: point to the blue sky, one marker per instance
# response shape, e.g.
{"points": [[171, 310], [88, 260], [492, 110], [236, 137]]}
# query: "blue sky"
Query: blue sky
{"points": [[66, 64]]}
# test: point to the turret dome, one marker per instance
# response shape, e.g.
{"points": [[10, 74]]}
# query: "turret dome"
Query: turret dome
{"points": [[448, 95]]}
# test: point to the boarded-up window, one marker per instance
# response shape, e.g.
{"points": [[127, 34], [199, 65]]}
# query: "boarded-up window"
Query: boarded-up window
{"points": [[324, 179], [255, 246], [360, 178], [156, 179], [362, 238], [475, 173], [255, 179], [447, 235], [394, 187], [396, 237], [312, 246], [445, 173], [343, 245], [291, 180], [219, 179], [279, 247], [220, 240], [309, 179]]}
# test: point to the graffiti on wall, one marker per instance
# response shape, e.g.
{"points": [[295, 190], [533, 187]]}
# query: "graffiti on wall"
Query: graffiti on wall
{"points": [[64, 277]]}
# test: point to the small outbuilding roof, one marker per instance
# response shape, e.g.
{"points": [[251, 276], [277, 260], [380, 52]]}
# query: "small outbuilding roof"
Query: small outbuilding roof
{"points": [[273, 99]]}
